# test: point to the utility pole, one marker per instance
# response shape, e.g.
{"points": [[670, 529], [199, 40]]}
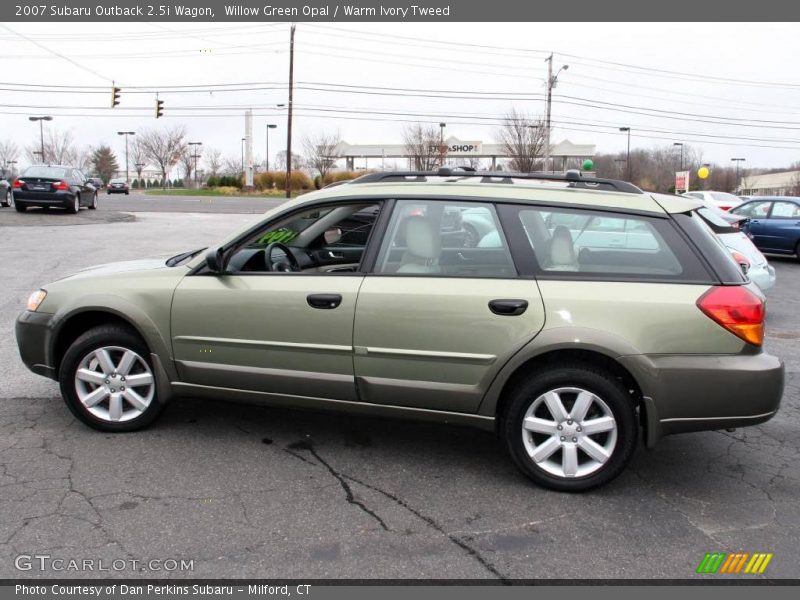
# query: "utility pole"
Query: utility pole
{"points": [[266, 160], [126, 134], [289, 119], [552, 80], [195, 156], [441, 144], [628, 160], [681, 145]]}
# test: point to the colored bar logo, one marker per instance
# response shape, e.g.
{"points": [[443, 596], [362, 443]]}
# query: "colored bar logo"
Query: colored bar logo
{"points": [[734, 563]]}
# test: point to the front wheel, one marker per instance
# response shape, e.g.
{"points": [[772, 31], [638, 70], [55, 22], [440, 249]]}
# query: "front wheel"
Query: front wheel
{"points": [[107, 380], [571, 428]]}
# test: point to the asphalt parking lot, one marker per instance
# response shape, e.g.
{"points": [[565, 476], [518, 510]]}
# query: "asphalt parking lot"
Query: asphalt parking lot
{"points": [[247, 491]]}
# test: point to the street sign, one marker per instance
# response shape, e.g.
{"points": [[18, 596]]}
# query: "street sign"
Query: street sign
{"points": [[681, 182]]}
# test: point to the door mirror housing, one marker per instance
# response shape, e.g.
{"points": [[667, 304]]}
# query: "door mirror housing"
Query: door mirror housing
{"points": [[332, 235], [215, 260]]}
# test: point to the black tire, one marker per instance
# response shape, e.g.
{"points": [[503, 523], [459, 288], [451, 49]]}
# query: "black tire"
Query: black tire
{"points": [[20, 207], [93, 205], [587, 377], [93, 339], [797, 251], [127, 193]]}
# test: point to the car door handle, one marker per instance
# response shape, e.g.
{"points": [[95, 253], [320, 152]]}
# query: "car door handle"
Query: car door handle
{"points": [[324, 300], [508, 308]]}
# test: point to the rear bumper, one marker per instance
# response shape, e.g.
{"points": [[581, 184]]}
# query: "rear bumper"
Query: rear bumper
{"points": [[697, 392], [762, 276], [44, 198], [33, 332]]}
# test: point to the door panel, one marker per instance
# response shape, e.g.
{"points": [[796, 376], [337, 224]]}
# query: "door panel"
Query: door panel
{"points": [[260, 332], [434, 342]]}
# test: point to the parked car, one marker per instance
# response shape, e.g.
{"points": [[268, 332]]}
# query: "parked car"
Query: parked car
{"points": [[736, 221], [5, 192], [753, 263], [117, 186], [97, 183], [773, 223], [50, 186], [722, 200], [567, 341]]}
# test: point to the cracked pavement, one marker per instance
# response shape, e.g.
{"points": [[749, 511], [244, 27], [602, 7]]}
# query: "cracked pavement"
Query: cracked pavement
{"points": [[247, 491]]}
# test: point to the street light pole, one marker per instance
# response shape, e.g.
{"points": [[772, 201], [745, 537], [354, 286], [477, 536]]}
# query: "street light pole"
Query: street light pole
{"points": [[441, 143], [681, 145], [41, 131], [243, 141], [552, 80], [738, 162], [126, 134], [628, 160], [266, 161]]}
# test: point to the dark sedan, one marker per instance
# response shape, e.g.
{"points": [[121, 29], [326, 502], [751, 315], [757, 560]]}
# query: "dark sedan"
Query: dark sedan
{"points": [[773, 223], [53, 186], [117, 186]]}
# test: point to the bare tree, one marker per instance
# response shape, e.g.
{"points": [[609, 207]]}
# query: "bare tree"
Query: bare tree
{"points": [[322, 150], [213, 160], [8, 152], [423, 146], [298, 162], [137, 156], [59, 149], [163, 148], [522, 139]]}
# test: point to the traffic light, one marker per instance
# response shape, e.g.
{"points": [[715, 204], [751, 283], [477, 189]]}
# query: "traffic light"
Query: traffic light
{"points": [[114, 96], [159, 108]]}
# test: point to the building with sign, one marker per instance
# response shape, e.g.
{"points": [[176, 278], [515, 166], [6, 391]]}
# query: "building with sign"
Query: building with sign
{"points": [[565, 154]]}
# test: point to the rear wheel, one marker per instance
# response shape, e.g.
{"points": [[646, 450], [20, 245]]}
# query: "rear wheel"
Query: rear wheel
{"points": [[570, 428], [75, 207], [93, 205], [797, 251], [19, 206], [107, 380]]}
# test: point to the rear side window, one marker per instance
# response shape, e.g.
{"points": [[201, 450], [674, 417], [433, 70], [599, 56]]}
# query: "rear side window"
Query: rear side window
{"points": [[711, 248], [785, 210], [560, 243]]}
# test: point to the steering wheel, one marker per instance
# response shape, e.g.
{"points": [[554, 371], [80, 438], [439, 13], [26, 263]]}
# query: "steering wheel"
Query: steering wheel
{"points": [[284, 265]]}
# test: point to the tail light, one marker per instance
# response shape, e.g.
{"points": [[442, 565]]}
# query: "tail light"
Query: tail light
{"points": [[17, 184], [737, 309], [61, 185], [741, 260]]}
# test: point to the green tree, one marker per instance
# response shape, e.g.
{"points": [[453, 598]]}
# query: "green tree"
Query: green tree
{"points": [[105, 163]]}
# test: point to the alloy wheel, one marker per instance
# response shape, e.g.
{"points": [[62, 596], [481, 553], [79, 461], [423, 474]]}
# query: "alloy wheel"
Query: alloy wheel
{"points": [[114, 384], [569, 432]]}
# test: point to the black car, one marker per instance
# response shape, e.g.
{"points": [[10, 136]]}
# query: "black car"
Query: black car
{"points": [[5, 192], [117, 186], [53, 185], [97, 182]]}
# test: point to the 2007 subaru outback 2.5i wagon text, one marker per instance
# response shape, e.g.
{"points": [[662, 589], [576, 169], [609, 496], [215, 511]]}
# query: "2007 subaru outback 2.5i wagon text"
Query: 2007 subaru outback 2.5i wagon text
{"points": [[587, 312]]}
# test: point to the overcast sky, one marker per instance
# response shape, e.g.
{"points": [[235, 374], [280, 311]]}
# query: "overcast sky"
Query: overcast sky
{"points": [[709, 85]]}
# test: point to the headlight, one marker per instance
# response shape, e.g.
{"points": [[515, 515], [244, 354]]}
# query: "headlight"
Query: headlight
{"points": [[35, 299]]}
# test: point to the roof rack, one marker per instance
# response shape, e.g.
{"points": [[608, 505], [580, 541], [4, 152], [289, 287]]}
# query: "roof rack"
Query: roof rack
{"points": [[573, 177]]}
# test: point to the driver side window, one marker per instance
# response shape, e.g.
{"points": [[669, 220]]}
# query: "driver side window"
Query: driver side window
{"points": [[323, 239]]}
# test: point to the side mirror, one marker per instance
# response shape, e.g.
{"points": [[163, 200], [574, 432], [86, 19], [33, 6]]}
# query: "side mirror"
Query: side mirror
{"points": [[332, 235], [214, 260]]}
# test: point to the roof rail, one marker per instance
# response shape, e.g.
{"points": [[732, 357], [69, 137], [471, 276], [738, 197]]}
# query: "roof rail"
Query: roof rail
{"points": [[573, 177]]}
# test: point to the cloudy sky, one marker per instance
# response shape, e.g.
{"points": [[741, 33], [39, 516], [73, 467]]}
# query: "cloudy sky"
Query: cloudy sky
{"points": [[729, 90]]}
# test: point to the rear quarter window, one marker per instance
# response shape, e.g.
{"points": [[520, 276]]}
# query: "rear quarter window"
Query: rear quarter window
{"points": [[567, 243]]}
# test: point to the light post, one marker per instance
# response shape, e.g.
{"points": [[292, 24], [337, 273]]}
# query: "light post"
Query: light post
{"points": [[266, 161], [41, 131], [738, 162], [195, 156], [552, 80], [681, 145], [139, 167], [126, 134], [243, 141], [6, 165], [628, 160], [441, 143], [619, 162]]}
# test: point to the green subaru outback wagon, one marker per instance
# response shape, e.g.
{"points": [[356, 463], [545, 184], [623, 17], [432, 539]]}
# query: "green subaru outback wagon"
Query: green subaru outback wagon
{"points": [[568, 314]]}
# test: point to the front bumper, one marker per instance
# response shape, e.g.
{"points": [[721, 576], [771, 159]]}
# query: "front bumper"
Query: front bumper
{"points": [[34, 331], [684, 393]]}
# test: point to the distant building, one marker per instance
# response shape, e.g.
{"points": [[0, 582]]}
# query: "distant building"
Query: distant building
{"points": [[563, 153], [786, 183]]}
